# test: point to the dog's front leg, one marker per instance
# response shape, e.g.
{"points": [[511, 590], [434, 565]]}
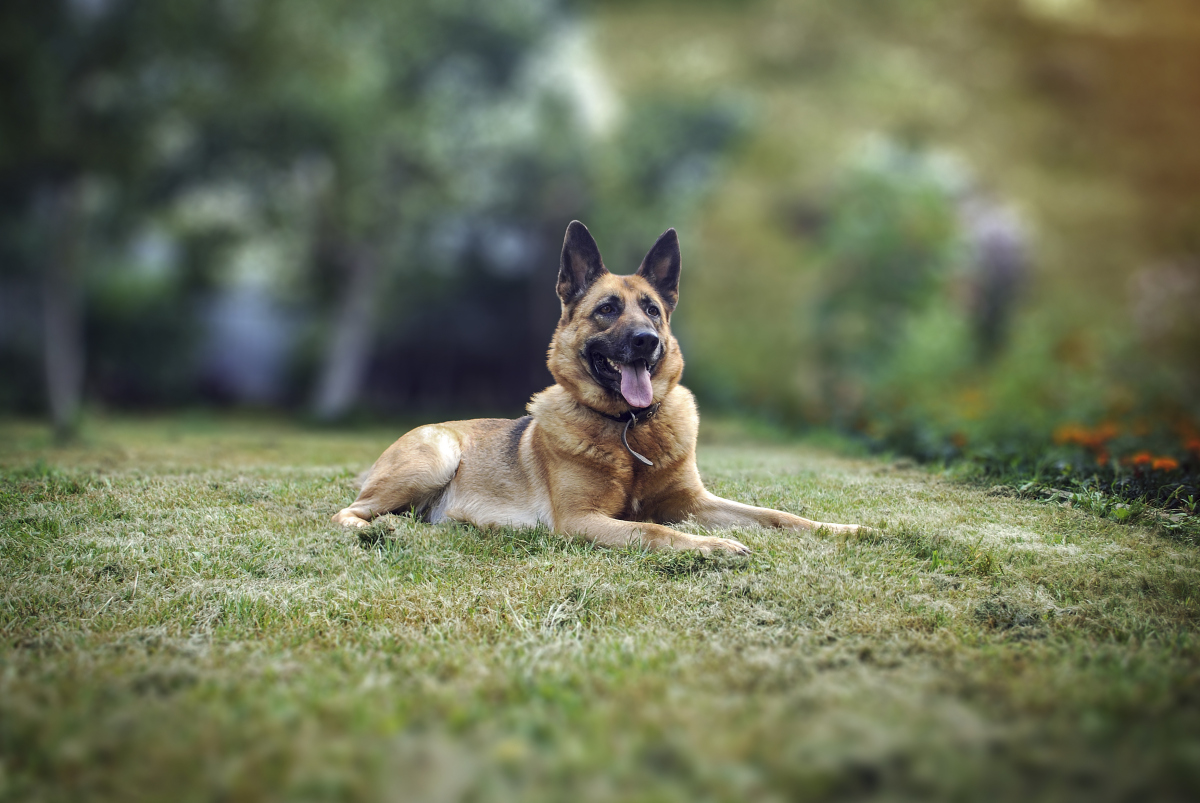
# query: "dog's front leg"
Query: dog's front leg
{"points": [[709, 510], [601, 529]]}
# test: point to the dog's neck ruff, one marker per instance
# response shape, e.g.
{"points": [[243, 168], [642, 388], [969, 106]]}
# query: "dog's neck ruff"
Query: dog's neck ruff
{"points": [[631, 418]]}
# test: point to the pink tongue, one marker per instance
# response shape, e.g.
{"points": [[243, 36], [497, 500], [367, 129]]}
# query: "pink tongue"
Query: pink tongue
{"points": [[635, 384]]}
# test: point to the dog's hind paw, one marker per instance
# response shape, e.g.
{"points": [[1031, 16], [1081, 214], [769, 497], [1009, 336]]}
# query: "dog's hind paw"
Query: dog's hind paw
{"points": [[842, 529]]}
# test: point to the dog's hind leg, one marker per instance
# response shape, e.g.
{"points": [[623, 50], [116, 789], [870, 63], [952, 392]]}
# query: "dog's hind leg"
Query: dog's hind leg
{"points": [[412, 473], [611, 532], [709, 510]]}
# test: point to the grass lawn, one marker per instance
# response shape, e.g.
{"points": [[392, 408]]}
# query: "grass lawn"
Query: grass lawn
{"points": [[179, 621]]}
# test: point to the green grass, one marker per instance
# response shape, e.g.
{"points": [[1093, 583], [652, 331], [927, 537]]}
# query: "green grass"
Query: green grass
{"points": [[180, 621]]}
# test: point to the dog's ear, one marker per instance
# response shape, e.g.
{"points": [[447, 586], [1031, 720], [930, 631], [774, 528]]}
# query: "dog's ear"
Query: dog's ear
{"points": [[580, 264], [661, 267]]}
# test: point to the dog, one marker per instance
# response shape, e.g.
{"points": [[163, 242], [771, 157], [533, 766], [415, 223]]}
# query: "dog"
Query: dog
{"points": [[608, 453]]}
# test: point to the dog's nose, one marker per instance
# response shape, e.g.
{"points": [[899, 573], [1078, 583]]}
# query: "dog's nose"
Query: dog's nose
{"points": [[643, 344]]}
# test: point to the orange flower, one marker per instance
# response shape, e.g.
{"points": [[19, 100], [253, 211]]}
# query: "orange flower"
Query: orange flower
{"points": [[1102, 458], [1094, 439], [1165, 464], [1142, 459], [1193, 445], [1070, 433]]}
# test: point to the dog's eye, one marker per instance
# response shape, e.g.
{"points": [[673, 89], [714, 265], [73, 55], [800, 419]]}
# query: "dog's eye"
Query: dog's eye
{"points": [[653, 311], [606, 309]]}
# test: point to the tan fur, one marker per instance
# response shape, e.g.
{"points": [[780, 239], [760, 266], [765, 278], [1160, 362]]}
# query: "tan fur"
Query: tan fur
{"points": [[567, 468]]}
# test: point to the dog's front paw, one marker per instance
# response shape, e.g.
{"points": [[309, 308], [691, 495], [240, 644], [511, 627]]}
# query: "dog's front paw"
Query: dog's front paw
{"points": [[348, 518], [710, 545]]}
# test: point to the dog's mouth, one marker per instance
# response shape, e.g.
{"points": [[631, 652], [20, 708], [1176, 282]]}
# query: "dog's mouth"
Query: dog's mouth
{"points": [[630, 379]]}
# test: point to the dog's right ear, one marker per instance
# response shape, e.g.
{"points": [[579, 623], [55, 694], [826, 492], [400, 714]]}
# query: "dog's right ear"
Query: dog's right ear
{"points": [[580, 264]]}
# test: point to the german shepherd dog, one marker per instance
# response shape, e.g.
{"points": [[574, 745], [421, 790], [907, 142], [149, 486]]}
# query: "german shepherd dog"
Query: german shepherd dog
{"points": [[608, 453]]}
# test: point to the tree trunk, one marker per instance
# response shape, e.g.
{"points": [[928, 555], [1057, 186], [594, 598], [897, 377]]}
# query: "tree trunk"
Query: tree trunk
{"points": [[59, 213], [349, 351]]}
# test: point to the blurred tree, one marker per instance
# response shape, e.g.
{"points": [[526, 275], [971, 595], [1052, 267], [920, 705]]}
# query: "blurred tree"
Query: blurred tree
{"points": [[264, 201], [1120, 82], [890, 238], [249, 138], [93, 90], [1083, 115], [427, 120]]}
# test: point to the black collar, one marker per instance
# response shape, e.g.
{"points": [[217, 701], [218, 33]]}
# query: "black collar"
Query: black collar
{"points": [[631, 418], [634, 416]]}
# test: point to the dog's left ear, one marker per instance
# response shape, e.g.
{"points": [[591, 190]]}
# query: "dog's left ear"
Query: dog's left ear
{"points": [[661, 267], [580, 264]]}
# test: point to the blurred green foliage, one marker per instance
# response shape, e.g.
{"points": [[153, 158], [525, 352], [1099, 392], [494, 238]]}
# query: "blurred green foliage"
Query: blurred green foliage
{"points": [[275, 203], [888, 244], [287, 203], [918, 242]]}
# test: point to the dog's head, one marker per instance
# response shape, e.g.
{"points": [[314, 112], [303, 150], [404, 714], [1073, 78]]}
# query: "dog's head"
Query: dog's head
{"points": [[613, 348]]}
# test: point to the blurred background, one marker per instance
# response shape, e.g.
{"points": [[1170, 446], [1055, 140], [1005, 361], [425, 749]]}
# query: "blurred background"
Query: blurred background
{"points": [[940, 226]]}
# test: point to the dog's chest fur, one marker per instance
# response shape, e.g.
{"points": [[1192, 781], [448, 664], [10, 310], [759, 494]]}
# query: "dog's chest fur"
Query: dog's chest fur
{"points": [[601, 464]]}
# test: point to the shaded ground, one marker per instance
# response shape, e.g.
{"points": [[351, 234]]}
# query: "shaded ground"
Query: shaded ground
{"points": [[179, 621]]}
